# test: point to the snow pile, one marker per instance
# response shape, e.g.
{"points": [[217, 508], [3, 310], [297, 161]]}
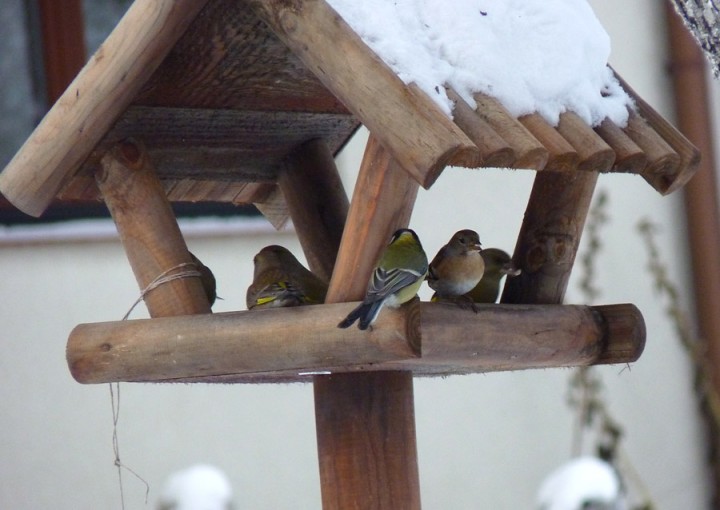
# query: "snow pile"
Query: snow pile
{"points": [[545, 56], [582, 483], [199, 487]]}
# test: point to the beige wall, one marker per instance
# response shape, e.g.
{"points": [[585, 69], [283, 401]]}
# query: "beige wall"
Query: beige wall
{"points": [[485, 441]]}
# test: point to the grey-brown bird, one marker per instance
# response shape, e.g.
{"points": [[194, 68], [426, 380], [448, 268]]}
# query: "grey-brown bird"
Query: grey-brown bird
{"points": [[497, 264], [281, 280], [458, 266]]}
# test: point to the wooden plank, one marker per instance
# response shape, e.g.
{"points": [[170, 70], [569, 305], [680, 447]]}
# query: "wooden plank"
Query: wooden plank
{"points": [[550, 236], [230, 60], [317, 203], [595, 155], [93, 101], [290, 343], [529, 152], [494, 151], [376, 469], [562, 156], [149, 232], [406, 121], [667, 178], [225, 145]]}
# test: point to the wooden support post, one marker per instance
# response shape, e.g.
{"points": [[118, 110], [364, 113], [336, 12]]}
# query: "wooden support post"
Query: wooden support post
{"points": [[550, 236], [317, 203], [366, 422], [148, 230], [94, 100]]}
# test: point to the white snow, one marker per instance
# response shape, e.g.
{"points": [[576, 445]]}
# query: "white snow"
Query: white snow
{"points": [[545, 56], [583, 482], [199, 487]]}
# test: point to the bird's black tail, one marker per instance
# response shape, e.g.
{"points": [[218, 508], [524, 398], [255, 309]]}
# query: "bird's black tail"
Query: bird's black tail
{"points": [[366, 312]]}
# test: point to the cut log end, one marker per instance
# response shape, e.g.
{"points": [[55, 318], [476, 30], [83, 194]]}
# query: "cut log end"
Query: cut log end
{"points": [[625, 333]]}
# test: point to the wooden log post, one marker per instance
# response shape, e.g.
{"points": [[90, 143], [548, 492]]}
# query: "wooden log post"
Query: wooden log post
{"points": [[148, 230], [317, 203], [550, 236], [94, 100], [407, 122], [291, 344], [366, 422]]}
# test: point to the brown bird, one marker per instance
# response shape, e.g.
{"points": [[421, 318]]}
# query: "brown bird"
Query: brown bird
{"points": [[457, 267], [281, 280], [497, 264], [207, 279]]}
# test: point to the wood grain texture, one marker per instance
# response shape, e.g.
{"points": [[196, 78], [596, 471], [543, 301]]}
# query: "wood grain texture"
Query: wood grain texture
{"points": [[665, 178], [229, 59], [94, 100], [562, 157], [424, 339], [317, 203], [148, 230], [629, 157], [529, 152], [372, 447], [494, 151], [382, 403], [595, 155], [274, 208], [550, 236], [406, 121]]}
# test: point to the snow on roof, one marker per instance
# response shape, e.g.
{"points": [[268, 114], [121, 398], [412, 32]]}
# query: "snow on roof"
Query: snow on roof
{"points": [[544, 56]]}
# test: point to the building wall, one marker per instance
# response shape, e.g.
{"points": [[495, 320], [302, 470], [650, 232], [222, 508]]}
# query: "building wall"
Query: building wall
{"points": [[484, 441]]}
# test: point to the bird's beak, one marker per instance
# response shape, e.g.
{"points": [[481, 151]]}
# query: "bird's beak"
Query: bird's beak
{"points": [[510, 270], [476, 247]]}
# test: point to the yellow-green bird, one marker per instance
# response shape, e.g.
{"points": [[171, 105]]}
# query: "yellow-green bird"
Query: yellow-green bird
{"points": [[281, 280], [396, 279], [458, 266], [497, 264], [207, 279]]}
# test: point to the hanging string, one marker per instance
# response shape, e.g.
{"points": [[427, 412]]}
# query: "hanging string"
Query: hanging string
{"points": [[164, 278], [161, 279]]}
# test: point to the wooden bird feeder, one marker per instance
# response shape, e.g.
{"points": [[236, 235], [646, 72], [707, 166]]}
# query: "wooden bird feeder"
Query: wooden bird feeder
{"points": [[247, 102]]}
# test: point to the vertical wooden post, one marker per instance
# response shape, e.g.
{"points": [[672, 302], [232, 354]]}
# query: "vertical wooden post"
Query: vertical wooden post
{"points": [[148, 230], [550, 236], [317, 203], [366, 421]]}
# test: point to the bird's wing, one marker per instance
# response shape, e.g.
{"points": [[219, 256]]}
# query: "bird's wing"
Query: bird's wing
{"points": [[387, 282]]}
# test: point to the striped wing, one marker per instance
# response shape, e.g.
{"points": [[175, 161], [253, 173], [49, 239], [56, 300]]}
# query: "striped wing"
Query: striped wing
{"points": [[385, 283]]}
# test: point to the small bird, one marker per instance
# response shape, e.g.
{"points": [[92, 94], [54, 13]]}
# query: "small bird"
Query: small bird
{"points": [[207, 279], [497, 264], [395, 280], [457, 267], [281, 280]]}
